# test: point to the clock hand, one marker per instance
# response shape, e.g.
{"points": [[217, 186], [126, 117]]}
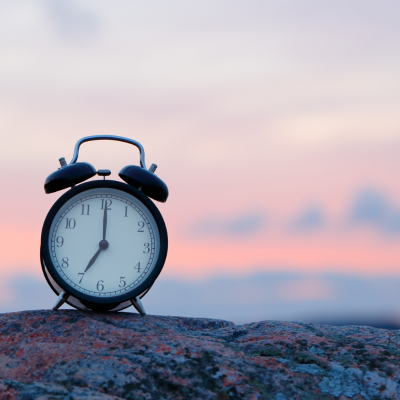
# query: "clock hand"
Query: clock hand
{"points": [[93, 259], [105, 220], [103, 244]]}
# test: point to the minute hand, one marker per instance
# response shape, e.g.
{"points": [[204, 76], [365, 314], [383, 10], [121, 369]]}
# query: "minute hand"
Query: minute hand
{"points": [[105, 221], [103, 245]]}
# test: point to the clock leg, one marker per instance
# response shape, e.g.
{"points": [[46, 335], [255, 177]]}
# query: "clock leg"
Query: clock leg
{"points": [[139, 306], [61, 299]]}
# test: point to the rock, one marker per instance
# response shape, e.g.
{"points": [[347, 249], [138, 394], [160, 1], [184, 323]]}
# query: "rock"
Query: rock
{"points": [[75, 355]]}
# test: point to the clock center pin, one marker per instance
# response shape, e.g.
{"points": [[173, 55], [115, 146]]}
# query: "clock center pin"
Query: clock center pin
{"points": [[103, 244]]}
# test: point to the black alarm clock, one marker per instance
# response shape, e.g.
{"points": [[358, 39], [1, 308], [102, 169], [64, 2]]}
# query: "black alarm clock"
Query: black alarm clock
{"points": [[103, 242]]}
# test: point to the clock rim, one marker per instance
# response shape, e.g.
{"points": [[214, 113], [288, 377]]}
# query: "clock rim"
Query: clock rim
{"points": [[162, 255]]}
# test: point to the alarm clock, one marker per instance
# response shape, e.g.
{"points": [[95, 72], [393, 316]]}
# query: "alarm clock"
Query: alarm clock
{"points": [[103, 242]]}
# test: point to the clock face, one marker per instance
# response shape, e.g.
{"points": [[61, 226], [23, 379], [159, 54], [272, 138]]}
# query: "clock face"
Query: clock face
{"points": [[104, 242]]}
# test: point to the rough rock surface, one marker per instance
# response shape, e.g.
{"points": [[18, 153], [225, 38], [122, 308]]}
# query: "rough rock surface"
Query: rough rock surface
{"points": [[75, 355]]}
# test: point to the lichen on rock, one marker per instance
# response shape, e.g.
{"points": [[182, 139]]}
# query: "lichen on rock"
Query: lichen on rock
{"points": [[77, 355]]}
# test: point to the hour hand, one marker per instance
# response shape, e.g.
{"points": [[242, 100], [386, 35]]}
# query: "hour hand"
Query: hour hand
{"points": [[103, 245], [93, 259]]}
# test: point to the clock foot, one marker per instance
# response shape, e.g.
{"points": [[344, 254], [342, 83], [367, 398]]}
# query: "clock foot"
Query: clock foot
{"points": [[61, 299], [139, 306]]}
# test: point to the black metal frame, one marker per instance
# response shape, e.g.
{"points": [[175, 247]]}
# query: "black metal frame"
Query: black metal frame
{"points": [[87, 299]]}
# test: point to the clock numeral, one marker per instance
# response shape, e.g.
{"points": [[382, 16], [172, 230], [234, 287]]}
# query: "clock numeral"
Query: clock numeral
{"points": [[100, 286], [126, 211], [60, 241], [137, 267], [65, 263], [87, 209], [121, 280], [82, 273], [107, 202], [146, 248], [141, 225], [70, 223]]}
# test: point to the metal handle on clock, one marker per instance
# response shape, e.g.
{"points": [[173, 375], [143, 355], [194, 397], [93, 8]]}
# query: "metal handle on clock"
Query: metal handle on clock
{"points": [[108, 137]]}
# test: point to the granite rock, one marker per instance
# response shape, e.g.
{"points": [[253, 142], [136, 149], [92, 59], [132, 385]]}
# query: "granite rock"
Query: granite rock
{"points": [[77, 355]]}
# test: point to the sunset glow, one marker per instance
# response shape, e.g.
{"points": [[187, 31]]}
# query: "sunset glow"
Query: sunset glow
{"points": [[274, 124]]}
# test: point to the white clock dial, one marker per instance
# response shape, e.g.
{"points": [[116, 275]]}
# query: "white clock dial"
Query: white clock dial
{"points": [[104, 266]]}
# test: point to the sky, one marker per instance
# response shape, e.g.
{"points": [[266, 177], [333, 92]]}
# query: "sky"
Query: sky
{"points": [[275, 125]]}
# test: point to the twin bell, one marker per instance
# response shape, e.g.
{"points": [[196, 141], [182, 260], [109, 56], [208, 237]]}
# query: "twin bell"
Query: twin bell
{"points": [[69, 175]]}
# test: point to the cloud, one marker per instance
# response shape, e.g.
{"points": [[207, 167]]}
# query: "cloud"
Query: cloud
{"points": [[71, 20], [245, 298], [369, 207], [373, 209], [245, 224], [310, 219], [393, 224]]}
